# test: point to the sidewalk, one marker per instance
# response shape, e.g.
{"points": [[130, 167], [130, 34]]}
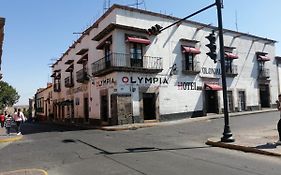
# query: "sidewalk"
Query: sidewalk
{"points": [[260, 142], [8, 138]]}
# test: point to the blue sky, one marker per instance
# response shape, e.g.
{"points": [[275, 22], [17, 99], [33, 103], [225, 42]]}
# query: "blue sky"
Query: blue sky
{"points": [[38, 31]]}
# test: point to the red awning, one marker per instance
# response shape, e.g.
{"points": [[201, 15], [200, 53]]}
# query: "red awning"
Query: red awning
{"points": [[138, 40], [263, 58], [214, 87], [230, 55], [190, 50]]}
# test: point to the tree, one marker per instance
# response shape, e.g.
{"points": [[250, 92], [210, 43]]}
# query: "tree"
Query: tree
{"points": [[8, 95]]}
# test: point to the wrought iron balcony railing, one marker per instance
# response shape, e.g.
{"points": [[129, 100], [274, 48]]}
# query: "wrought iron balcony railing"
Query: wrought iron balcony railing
{"points": [[127, 62], [82, 76], [68, 82]]}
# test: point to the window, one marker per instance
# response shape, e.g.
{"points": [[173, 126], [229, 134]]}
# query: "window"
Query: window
{"points": [[107, 53], [261, 65], [228, 65], [136, 54], [189, 61], [57, 85]]}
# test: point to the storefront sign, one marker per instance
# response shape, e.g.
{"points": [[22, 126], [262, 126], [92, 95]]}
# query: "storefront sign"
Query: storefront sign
{"points": [[187, 85], [215, 71], [105, 82], [76, 90], [145, 80]]}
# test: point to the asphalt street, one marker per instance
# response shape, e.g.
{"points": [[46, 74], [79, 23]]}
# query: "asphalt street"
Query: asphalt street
{"points": [[176, 148]]}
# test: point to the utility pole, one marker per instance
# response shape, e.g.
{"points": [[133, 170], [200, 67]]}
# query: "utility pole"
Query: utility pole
{"points": [[227, 135]]}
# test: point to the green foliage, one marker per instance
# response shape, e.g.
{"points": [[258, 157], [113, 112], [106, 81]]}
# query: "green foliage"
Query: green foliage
{"points": [[26, 113], [8, 95]]}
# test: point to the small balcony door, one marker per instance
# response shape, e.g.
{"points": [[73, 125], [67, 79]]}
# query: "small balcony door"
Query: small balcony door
{"points": [[107, 54], [136, 55]]}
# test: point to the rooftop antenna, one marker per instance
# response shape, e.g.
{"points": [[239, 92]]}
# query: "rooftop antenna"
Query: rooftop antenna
{"points": [[106, 5], [138, 3], [236, 23]]}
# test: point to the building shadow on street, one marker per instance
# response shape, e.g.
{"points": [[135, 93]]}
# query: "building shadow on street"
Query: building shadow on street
{"points": [[41, 127], [136, 149]]}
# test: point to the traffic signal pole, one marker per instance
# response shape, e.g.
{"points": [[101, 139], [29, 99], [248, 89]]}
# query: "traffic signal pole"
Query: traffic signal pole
{"points": [[227, 135], [189, 16]]}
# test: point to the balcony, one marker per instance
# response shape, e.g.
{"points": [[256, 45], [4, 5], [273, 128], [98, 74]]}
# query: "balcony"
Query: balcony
{"points": [[124, 63], [191, 69], [68, 82], [57, 87], [263, 73], [82, 76], [231, 71]]}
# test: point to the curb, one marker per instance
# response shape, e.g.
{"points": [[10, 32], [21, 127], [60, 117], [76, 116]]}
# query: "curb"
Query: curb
{"points": [[240, 148], [161, 123], [145, 125], [25, 171], [11, 139], [130, 127]]}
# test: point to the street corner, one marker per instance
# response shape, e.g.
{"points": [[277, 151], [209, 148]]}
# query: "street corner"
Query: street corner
{"points": [[128, 127], [240, 147], [25, 172], [11, 138]]}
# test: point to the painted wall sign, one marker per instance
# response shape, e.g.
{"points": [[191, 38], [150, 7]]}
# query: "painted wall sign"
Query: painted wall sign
{"points": [[76, 90], [209, 70], [105, 82], [187, 85], [145, 80]]}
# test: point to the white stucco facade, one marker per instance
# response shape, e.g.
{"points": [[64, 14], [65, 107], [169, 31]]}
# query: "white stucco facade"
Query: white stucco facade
{"points": [[132, 76]]}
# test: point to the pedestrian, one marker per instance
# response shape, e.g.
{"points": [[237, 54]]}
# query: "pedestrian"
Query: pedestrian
{"points": [[8, 123], [19, 118], [2, 119], [278, 102]]}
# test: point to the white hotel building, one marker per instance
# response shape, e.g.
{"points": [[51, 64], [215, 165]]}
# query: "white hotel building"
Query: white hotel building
{"points": [[115, 73]]}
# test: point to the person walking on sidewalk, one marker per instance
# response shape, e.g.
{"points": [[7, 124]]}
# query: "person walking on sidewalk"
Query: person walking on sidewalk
{"points": [[8, 123], [278, 102], [19, 118], [2, 119]]}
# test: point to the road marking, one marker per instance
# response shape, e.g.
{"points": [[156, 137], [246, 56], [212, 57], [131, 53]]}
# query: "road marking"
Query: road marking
{"points": [[26, 171], [11, 139]]}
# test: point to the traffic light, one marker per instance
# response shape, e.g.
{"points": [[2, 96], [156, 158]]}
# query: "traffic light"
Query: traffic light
{"points": [[154, 30], [212, 46]]}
